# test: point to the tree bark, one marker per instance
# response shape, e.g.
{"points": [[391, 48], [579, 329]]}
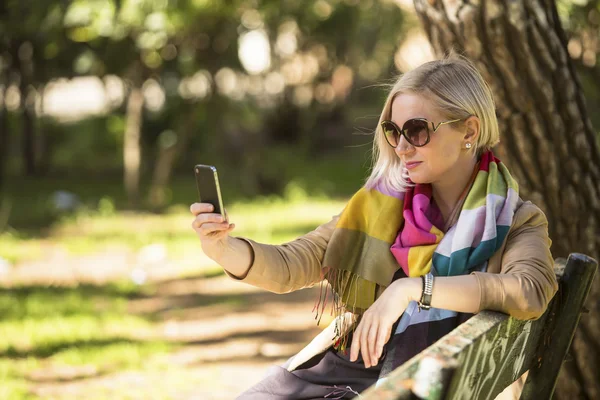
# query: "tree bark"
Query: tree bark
{"points": [[131, 145], [547, 139]]}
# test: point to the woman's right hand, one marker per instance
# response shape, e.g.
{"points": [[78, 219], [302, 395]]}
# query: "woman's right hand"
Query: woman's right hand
{"points": [[210, 227]]}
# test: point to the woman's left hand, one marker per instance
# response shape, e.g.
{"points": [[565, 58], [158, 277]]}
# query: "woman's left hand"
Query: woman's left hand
{"points": [[375, 327]]}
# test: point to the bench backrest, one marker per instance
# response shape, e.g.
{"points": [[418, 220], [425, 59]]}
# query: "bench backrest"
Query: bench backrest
{"points": [[491, 350]]}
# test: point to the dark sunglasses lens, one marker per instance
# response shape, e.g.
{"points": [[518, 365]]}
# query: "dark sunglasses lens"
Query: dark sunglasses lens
{"points": [[391, 133], [417, 131]]}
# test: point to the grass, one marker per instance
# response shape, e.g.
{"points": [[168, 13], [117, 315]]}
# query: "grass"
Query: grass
{"points": [[62, 334], [268, 219], [84, 326], [315, 189], [27, 205], [86, 330]]}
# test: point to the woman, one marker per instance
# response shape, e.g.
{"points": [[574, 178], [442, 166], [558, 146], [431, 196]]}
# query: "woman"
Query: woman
{"points": [[437, 233]]}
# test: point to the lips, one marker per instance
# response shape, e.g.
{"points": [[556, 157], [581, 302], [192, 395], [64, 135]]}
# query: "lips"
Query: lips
{"points": [[412, 164]]}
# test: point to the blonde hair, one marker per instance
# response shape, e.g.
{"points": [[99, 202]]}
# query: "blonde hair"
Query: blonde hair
{"points": [[455, 87]]}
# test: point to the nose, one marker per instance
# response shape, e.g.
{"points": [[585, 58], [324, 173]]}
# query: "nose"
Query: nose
{"points": [[403, 147]]}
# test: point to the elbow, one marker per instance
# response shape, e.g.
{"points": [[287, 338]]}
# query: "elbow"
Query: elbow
{"points": [[282, 289], [519, 295], [530, 313], [535, 302]]}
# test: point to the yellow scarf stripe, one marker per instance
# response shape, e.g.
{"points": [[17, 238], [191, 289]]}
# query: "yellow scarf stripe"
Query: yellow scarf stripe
{"points": [[374, 213]]}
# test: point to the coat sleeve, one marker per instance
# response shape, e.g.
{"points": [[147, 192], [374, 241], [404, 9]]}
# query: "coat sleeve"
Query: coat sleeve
{"points": [[290, 266], [526, 282]]}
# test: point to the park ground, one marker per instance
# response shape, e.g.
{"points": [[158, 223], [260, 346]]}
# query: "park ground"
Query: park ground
{"points": [[107, 304]]}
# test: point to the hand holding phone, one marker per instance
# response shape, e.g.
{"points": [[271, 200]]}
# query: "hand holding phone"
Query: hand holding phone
{"points": [[209, 190], [210, 223]]}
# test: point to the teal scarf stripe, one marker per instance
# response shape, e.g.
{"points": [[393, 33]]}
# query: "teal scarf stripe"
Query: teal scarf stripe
{"points": [[469, 257]]}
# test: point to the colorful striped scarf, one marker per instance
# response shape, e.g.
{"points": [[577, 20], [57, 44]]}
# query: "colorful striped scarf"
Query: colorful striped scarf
{"points": [[382, 236]]}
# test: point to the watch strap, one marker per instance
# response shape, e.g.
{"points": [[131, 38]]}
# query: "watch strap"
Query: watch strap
{"points": [[425, 301]]}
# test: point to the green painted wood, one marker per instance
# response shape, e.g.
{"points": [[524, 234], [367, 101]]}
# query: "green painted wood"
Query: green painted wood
{"points": [[433, 376], [492, 350], [574, 288]]}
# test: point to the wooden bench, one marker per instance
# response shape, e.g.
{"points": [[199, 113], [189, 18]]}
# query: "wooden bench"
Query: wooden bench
{"points": [[491, 350]]}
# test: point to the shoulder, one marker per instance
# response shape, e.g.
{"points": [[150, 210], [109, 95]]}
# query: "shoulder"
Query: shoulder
{"points": [[528, 215]]}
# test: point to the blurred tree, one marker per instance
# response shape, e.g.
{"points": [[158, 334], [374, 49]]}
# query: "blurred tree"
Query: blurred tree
{"points": [[125, 38], [581, 21], [33, 50], [547, 137], [4, 136], [21, 32], [246, 75]]}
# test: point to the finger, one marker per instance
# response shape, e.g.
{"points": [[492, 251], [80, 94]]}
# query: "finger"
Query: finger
{"points": [[227, 230], [355, 347], [371, 342], [364, 346], [197, 208], [206, 218], [382, 338], [208, 228]]}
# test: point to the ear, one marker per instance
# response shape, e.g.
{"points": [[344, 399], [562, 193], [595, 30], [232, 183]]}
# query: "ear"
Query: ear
{"points": [[473, 127]]}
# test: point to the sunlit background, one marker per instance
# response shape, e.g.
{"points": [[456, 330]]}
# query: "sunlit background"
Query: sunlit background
{"points": [[106, 106]]}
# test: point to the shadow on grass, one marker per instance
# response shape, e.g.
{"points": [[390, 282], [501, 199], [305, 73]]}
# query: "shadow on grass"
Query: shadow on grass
{"points": [[49, 349], [254, 358], [36, 302], [267, 336], [115, 289], [42, 301], [295, 230], [169, 300]]}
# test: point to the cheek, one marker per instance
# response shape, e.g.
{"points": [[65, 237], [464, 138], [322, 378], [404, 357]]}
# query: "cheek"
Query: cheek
{"points": [[448, 154], [442, 158]]}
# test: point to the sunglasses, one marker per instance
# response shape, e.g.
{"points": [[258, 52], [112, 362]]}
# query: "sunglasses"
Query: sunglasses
{"points": [[415, 130]]}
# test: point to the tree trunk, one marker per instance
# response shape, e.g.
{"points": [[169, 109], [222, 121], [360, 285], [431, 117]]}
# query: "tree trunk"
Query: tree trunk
{"points": [[547, 139], [167, 156], [28, 125], [43, 146], [27, 120], [4, 136], [131, 145]]}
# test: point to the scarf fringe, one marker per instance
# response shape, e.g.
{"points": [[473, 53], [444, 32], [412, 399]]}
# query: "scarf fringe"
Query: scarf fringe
{"points": [[340, 284]]}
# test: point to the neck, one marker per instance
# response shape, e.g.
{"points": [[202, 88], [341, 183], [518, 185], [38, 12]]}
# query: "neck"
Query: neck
{"points": [[447, 190]]}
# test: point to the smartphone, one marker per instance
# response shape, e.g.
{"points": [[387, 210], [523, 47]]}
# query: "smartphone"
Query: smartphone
{"points": [[209, 189]]}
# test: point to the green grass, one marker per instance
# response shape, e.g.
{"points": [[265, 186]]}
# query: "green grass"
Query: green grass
{"points": [[56, 327], [48, 328], [269, 219], [26, 204], [310, 189]]}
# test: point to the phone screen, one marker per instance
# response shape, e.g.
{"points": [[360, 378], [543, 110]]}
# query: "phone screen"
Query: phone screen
{"points": [[209, 189]]}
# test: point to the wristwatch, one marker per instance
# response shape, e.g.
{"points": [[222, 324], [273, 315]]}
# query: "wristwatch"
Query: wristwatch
{"points": [[425, 302]]}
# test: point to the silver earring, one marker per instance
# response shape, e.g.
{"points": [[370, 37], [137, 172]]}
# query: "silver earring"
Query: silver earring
{"points": [[468, 145]]}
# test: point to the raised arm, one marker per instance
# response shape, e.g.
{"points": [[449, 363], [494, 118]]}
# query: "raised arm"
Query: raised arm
{"points": [[279, 268]]}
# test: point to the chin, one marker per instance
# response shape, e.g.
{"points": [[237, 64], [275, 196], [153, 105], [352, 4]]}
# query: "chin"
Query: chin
{"points": [[417, 178]]}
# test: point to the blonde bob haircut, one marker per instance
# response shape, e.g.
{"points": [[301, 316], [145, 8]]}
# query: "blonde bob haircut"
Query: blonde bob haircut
{"points": [[457, 90]]}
